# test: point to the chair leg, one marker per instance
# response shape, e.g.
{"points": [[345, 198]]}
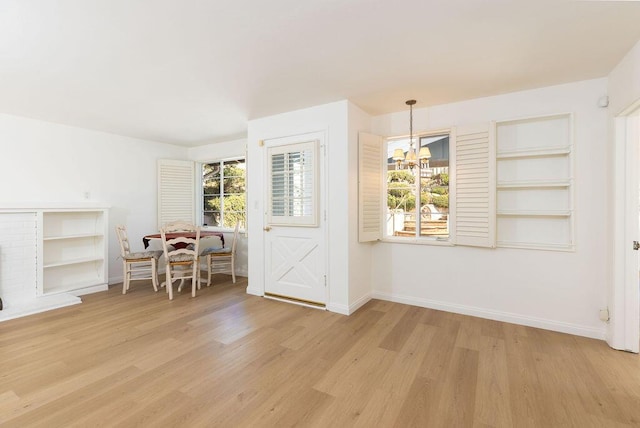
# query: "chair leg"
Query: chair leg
{"points": [[125, 282], [169, 282], [194, 278], [209, 260], [154, 274], [233, 269]]}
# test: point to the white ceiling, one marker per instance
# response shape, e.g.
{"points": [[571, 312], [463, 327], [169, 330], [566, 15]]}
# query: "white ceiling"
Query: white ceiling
{"points": [[193, 72]]}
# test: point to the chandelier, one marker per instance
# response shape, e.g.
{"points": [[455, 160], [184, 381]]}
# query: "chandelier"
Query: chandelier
{"points": [[411, 160]]}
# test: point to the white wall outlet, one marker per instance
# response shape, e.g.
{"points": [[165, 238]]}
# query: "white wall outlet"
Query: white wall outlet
{"points": [[604, 315]]}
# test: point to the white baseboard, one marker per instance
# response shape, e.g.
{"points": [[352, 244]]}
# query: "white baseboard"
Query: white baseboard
{"points": [[359, 303], [562, 327], [338, 308], [36, 305], [116, 280], [255, 291], [89, 290]]}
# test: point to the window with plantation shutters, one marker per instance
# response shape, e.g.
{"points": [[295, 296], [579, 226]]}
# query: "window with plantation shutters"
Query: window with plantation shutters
{"points": [[475, 184], [176, 191], [293, 184], [369, 187], [447, 195]]}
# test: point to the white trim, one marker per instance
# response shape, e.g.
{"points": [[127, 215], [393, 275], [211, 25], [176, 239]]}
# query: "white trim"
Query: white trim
{"points": [[116, 280], [51, 206], [88, 290], [338, 308], [562, 327], [39, 304], [255, 291], [359, 303]]}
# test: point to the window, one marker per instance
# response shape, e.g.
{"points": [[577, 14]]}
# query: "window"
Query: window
{"points": [[293, 184], [454, 188], [418, 195], [223, 199]]}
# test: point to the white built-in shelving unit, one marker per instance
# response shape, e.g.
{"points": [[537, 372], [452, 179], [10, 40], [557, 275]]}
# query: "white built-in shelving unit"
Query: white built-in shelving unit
{"points": [[53, 253], [74, 251], [535, 183]]}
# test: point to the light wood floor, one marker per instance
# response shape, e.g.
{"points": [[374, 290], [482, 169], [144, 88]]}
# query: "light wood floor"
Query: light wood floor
{"points": [[232, 360]]}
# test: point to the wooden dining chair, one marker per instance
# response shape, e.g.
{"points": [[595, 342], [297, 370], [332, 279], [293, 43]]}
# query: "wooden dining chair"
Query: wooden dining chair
{"points": [[222, 260], [136, 266], [181, 255]]}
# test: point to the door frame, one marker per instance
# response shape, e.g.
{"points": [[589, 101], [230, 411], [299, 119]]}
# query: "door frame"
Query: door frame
{"points": [[623, 332], [323, 200]]}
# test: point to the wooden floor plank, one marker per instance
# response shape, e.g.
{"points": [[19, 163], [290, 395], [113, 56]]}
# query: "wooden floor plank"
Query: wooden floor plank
{"points": [[226, 358]]}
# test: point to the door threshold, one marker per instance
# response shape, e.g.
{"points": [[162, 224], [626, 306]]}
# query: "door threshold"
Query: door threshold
{"points": [[301, 302]]}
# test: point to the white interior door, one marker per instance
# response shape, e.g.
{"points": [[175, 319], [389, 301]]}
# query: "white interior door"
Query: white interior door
{"points": [[294, 235], [632, 232], [624, 329]]}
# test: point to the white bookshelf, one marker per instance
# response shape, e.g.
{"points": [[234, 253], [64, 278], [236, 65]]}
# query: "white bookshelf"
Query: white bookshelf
{"points": [[73, 251], [534, 190], [53, 253]]}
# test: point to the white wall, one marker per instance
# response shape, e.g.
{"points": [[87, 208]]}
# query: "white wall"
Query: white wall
{"points": [[328, 118], [46, 162], [624, 82], [562, 291], [222, 151]]}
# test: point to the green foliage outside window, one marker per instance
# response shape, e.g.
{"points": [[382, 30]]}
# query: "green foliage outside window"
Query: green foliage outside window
{"points": [[226, 209], [401, 193]]}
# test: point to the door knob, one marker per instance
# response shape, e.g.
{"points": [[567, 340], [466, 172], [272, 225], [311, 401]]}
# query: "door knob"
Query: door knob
{"points": [[268, 228]]}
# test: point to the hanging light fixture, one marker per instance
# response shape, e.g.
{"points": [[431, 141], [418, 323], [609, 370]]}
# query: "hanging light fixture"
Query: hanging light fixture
{"points": [[424, 155], [411, 158], [398, 156]]}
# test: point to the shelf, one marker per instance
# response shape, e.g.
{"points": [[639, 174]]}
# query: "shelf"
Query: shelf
{"points": [[534, 213], [536, 245], [534, 189], [71, 287], [534, 153], [80, 235], [533, 184], [73, 262]]}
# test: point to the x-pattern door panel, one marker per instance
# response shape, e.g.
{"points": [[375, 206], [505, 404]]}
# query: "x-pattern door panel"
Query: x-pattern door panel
{"points": [[295, 267]]}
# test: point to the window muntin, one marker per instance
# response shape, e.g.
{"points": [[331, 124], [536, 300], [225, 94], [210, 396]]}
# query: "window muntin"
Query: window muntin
{"points": [[427, 183], [223, 199]]}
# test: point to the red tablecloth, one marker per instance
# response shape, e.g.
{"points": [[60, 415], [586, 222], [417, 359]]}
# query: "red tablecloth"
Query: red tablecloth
{"points": [[203, 233]]}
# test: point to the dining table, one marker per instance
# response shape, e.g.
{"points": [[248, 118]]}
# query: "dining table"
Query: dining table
{"points": [[203, 233]]}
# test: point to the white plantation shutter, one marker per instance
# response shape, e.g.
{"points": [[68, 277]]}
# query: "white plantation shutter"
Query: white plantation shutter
{"points": [[370, 175], [176, 191], [293, 184], [475, 186]]}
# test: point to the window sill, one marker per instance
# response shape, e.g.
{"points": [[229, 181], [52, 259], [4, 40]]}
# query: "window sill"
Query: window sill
{"points": [[418, 241], [220, 229]]}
